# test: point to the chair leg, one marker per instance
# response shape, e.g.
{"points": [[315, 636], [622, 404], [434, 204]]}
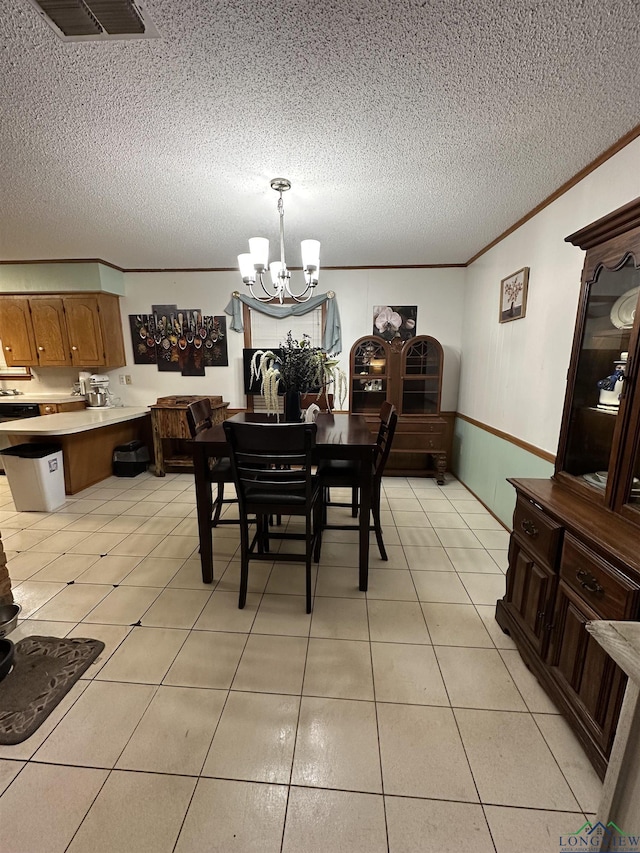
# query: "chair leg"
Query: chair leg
{"points": [[354, 502], [375, 511], [244, 564], [308, 578], [217, 505], [318, 527], [309, 544], [262, 533]]}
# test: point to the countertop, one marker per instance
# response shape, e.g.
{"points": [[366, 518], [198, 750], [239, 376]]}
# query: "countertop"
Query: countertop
{"points": [[67, 423], [41, 398]]}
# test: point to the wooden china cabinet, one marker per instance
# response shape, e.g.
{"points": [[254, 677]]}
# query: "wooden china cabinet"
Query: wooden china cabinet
{"points": [[409, 375], [575, 548]]}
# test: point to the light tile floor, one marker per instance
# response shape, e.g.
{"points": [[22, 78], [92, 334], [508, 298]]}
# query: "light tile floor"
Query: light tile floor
{"points": [[398, 720]]}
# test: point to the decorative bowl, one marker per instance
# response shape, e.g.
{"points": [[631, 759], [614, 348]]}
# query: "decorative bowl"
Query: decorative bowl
{"points": [[7, 652], [8, 618]]}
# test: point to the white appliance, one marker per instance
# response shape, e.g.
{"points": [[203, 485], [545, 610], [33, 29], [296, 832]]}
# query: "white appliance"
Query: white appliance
{"points": [[98, 394]]}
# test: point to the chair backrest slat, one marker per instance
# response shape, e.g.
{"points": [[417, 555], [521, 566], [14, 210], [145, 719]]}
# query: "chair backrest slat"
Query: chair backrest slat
{"points": [[199, 416]]}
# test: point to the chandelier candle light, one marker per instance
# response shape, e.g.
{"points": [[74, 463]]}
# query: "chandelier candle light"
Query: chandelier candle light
{"points": [[253, 264]]}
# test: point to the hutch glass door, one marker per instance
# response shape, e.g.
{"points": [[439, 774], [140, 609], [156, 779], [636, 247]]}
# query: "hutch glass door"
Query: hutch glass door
{"points": [[369, 375], [598, 402], [421, 376]]}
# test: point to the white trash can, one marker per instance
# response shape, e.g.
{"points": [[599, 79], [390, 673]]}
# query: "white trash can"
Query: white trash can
{"points": [[36, 476]]}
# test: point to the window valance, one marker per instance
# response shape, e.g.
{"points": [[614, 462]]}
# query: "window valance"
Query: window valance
{"points": [[332, 339]]}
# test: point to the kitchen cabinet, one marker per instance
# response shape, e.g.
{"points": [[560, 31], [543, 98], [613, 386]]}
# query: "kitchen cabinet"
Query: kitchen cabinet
{"points": [[16, 332], [574, 555], [56, 408], [82, 330], [407, 374], [50, 331]]}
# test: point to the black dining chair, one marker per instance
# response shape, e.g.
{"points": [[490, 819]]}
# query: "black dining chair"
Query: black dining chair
{"points": [[199, 417], [346, 474], [273, 467]]}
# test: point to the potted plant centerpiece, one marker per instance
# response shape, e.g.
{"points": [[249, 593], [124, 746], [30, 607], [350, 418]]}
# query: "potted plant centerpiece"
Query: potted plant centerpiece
{"points": [[296, 368]]}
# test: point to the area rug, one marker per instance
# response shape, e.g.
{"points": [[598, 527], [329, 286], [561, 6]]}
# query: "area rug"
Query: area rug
{"points": [[45, 669]]}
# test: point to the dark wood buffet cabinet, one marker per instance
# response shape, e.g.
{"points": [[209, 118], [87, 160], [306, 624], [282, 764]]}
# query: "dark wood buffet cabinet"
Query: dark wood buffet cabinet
{"points": [[574, 554], [409, 375]]}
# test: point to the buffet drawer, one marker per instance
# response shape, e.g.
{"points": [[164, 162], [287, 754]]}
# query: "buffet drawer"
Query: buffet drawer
{"points": [[597, 582], [538, 534]]}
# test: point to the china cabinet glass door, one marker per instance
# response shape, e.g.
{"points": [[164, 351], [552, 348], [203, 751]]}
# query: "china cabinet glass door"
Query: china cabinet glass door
{"points": [[599, 400], [369, 375], [421, 376]]}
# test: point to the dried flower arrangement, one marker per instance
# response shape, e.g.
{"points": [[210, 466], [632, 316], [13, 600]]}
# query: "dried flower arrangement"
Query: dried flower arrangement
{"points": [[297, 366]]}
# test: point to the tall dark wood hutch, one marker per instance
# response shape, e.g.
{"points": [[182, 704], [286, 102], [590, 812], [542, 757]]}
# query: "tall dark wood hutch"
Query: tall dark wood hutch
{"points": [[575, 548], [409, 375]]}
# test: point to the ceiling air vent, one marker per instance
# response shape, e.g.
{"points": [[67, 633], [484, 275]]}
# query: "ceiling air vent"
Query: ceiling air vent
{"points": [[96, 20]]}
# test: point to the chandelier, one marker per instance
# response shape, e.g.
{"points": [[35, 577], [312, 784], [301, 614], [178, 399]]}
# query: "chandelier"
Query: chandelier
{"points": [[253, 264]]}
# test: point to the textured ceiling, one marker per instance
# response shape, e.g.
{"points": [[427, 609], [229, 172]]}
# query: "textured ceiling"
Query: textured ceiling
{"points": [[413, 131]]}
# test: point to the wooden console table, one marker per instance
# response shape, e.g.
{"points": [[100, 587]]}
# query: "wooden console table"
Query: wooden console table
{"points": [[171, 430]]}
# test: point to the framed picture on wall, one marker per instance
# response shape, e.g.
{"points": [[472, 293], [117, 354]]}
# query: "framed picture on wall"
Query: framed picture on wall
{"points": [[513, 296]]}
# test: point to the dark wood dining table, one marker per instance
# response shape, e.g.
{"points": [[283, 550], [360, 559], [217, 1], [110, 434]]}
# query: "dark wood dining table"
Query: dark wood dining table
{"points": [[341, 436]]}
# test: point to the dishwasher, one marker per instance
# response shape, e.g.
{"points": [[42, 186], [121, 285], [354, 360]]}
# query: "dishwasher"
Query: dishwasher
{"points": [[15, 412]]}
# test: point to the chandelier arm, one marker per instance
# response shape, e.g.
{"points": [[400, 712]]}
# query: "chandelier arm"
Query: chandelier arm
{"points": [[269, 296], [305, 296]]}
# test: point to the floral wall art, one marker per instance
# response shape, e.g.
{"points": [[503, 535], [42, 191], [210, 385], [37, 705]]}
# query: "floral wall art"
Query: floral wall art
{"points": [[180, 340], [513, 296], [395, 322]]}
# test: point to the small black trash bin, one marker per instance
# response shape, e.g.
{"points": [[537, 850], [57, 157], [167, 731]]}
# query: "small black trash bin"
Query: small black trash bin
{"points": [[130, 459]]}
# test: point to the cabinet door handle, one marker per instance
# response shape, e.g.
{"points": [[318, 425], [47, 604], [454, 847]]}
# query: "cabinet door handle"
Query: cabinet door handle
{"points": [[529, 528], [40, 349], [74, 349], [588, 582], [8, 349]]}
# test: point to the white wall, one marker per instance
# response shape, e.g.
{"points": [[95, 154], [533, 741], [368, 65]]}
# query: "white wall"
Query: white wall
{"points": [[438, 293], [513, 375]]}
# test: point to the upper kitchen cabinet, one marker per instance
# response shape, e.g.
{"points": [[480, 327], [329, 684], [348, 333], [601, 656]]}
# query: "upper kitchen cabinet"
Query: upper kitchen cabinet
{"points": [[16, 332], [50, 331], [95, 330], [62, 330]]}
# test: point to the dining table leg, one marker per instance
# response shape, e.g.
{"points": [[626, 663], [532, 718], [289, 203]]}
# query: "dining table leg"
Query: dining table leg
{"points": [[365, 513], [204, 508]]}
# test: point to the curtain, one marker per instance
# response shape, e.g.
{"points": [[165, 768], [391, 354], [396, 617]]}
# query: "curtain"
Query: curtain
{"points": [[332, 340]]}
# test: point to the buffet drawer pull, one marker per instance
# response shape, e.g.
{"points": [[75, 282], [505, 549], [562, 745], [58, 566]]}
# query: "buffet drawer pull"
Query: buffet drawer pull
{"points": [[529, 528], [588, 582]]}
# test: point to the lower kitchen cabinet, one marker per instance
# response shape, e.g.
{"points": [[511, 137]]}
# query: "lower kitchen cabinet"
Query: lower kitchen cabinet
{"points": [[570, 563]]}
